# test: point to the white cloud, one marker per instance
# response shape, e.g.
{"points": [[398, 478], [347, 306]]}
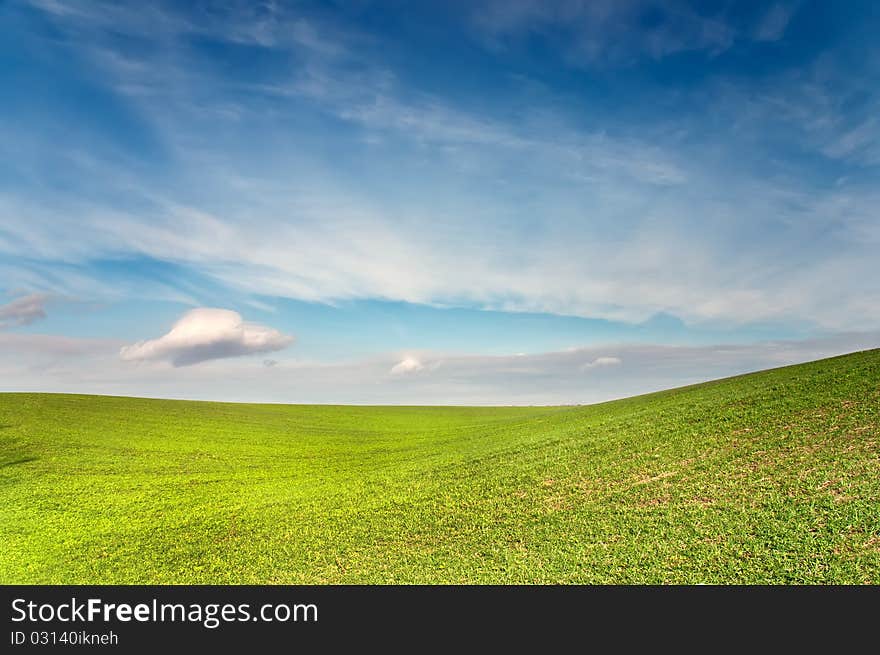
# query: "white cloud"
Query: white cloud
{"points": [[600, 362], [348, 248], [406, 366], [206, 333], [23, 311]]}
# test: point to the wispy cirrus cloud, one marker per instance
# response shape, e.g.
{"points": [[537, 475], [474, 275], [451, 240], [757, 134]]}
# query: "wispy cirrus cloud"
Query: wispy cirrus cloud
{"points": [[772, 26], [621, 32], [403, 192]]}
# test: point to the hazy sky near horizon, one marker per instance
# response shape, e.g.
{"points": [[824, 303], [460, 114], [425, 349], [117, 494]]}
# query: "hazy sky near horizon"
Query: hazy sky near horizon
{"points": [[474, 202]]}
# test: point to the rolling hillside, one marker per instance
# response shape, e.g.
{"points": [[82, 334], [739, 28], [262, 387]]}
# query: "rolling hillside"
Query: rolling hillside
{"points": [[772, 477]]}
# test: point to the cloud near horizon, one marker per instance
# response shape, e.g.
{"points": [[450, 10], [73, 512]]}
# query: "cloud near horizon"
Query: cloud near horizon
{"points": [[207, 333], [407, 365], [602, 361], [63, 364]]}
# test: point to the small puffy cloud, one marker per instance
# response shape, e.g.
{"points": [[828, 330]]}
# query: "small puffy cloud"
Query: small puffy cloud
{"points": [[406, 366], [23, 311], [601, 362], [206, 333]]}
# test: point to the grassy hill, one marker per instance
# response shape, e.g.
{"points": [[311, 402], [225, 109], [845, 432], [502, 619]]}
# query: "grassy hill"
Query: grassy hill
{"points": [[772, 477]]}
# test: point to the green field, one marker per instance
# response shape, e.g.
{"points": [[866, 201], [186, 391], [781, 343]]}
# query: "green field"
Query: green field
{"points": [[772, 477]]}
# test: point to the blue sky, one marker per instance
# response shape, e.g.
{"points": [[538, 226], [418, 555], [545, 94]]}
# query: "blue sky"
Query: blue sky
{"points": [[371, 183]]}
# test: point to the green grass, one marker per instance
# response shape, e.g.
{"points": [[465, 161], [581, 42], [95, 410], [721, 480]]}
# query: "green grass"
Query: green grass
{"points": [[772, 477]]}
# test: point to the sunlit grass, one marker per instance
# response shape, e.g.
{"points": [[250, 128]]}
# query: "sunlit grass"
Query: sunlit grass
{"points": [[767, 478]]}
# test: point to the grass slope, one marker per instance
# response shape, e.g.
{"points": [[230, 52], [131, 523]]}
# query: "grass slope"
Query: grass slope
{"points": [[772, 477]]}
